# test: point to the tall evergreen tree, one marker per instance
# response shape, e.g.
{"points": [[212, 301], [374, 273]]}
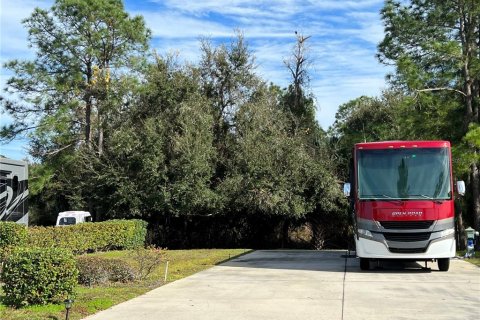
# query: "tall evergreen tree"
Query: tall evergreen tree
{"points": [[299, 105], [67, 96], [435, 47], [296, 99], [82, 47], [159, 158], [228, 81]]}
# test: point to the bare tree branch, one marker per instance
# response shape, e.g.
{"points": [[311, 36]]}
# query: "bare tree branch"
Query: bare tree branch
{"points": [[441, 89], [54, 152]]}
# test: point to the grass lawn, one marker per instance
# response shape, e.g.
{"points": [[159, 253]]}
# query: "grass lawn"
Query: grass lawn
{"points": [[475, 260], [182, 263]]}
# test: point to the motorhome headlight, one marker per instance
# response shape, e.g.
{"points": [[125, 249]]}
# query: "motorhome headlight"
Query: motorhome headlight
{"points": [[365, 233], [446, 232]]}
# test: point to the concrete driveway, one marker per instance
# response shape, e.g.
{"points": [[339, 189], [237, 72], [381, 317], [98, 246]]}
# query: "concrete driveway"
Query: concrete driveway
{"points": [[294, 284]]}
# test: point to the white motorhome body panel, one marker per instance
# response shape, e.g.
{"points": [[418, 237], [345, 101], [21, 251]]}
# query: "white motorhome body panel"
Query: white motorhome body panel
{"points": [[442, 248], [73, 217], [13, 191]]}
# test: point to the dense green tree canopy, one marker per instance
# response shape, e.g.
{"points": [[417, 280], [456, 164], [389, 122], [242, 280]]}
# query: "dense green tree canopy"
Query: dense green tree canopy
{"points": [[82, 48], [123, 132], [434, 46]]}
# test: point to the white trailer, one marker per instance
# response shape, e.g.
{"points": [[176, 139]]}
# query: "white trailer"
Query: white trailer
{"points": [[67, 218], [13, 191]]}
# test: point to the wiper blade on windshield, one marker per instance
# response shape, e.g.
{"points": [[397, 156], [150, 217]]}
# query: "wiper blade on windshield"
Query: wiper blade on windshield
{"points": [[426, 197], [421, 195], [379, 195]]}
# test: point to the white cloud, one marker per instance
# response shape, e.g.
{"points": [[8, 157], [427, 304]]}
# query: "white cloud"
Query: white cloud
{"points": [[240, 8], [16, 149], [268, 8], [13, 40], [344, 5], [188, 50], [342, 47], [173, 25], [330, 95], [370, 27], [269, 59], [344, 36]]}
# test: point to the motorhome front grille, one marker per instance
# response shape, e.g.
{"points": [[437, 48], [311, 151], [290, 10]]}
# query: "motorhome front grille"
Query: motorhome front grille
{"points": [[408, 250], [406, 225], [407, 237]]}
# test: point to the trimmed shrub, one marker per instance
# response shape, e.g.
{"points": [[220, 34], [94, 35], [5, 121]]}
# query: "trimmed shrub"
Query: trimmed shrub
{"points": [[88, 237], [11, 234], [96, 270], [91, 270], [38, 276], [147, 260], [120, 271]]}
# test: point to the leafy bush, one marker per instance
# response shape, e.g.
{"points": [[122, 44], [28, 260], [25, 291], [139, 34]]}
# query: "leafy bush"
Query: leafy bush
{"points": [[38, 276], [120, 271], [87, 237], [147, 260], [91, 270], [96, 270], [11, 234]]}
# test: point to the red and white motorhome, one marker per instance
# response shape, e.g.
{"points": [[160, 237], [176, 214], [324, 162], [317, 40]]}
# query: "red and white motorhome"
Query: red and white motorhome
{"points": [[403, 201]]}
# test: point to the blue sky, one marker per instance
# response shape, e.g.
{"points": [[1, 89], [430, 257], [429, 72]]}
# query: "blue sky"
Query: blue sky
{"points": [[344, 35]]}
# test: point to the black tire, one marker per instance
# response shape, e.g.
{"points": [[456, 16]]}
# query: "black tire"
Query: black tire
{"points": [[364, 264], [443, 264]]}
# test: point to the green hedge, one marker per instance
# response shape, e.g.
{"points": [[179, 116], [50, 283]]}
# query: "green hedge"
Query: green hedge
{"points": [[87, 237], [38, 276], [11, 235]]}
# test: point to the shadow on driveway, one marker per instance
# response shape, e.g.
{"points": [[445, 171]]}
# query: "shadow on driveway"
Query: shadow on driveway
{"points": [[327, 260]]}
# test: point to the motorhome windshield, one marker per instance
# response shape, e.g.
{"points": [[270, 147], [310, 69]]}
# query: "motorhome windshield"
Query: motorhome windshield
{"points": [[404, 174]]}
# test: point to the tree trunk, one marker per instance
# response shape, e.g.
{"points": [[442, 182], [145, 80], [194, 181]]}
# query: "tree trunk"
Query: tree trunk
{"points": [[88, 116], [88, 107], [318, 238], [466, 55], [285, 227], [460, 229], [469, 46], [476, 195], [100, 136]]}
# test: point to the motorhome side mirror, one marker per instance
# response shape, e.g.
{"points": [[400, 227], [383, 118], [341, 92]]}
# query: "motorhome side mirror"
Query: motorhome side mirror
{"points": [[461, 188], [346, 189]]}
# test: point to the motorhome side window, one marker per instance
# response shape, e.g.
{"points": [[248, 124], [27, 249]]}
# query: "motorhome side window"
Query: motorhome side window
{"points": [[4, 178], [3, 181], [15, 184]]}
